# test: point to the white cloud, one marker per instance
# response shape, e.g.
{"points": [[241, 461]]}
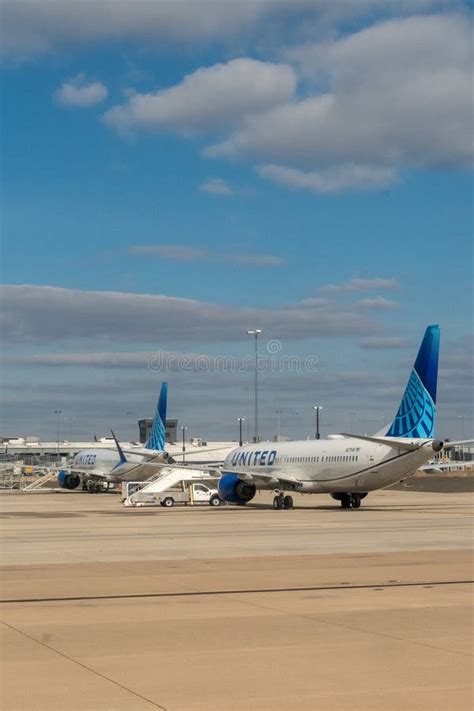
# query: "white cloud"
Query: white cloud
{"points": [[209, 98], [217, 186], [378, 303], [79, 93], [188, 253], [396, 95], [176, 252], [362, 284], [331, 180]]}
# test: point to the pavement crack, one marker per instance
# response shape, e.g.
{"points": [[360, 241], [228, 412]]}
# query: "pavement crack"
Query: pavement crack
{"points": [[85, 666]]}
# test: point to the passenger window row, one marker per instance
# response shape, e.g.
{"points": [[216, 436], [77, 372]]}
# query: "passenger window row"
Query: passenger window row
{"points": [[315, 460]]}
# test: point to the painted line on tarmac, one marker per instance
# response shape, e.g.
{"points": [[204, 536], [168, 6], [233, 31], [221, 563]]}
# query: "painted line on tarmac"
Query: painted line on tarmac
{"points": [[245, 591]]}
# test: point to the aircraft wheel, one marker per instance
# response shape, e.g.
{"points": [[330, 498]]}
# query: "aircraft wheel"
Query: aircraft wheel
{"points": [[355, 501], [346, 501], [288, 502], [278, 502]]}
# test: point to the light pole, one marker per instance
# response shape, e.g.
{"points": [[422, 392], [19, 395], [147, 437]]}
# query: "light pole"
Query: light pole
{"points": [[278, 414], [255, 333], [183, 430], [58, 413], [240, 420], [317, 408], [351, 416], [68, 422], [461, 417]]}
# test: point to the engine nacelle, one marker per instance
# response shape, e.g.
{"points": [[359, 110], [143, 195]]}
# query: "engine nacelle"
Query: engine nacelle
{"points": [[235, 491], [68, 480]]}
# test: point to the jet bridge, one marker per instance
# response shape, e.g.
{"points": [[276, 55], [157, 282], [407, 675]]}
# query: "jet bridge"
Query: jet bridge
{"points": [[170, 478]]}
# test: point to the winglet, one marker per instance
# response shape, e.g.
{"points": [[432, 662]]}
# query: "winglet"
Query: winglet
{"points": [[122, 456]]}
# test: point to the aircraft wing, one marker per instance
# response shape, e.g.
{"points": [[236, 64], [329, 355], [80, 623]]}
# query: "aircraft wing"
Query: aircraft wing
{"points": [[147, 469], [431, 469], [451, 444], [270, 480], [190, 450], [89, 473]]}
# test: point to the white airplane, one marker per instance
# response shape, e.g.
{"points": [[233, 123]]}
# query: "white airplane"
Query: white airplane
{"points": [[346, 466], [96, 468], [93, 467]]}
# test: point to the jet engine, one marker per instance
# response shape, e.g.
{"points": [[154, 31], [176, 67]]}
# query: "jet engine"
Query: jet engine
{"points": [[68, 480], [234, 490]]}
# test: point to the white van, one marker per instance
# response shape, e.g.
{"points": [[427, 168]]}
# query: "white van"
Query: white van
{"points": [[201, 494]]}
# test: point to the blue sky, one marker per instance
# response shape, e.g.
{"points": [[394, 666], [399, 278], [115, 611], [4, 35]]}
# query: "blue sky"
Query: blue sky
{"points": [[243, 161]]}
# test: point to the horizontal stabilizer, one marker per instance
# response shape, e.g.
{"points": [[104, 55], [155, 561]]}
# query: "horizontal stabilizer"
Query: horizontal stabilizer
{"points": [[395, 443]]}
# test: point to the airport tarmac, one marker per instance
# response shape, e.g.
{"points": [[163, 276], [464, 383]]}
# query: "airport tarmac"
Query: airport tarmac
{"points": [[237, 609]]}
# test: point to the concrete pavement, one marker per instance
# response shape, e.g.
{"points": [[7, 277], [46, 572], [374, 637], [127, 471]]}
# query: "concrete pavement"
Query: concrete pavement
{"points": [[237, 609]]}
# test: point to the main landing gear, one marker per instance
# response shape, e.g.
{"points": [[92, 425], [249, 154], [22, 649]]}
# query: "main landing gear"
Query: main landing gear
{"points": [[282, 502], [351, 501]]}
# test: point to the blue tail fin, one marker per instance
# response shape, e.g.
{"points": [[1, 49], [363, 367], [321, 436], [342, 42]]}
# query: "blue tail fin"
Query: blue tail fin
{"points": [[417, 412], [157, 437]]}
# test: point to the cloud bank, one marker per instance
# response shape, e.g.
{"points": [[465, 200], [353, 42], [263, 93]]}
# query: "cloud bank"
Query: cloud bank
{"points": [[45, 314], [32, 27], [396, 95]]}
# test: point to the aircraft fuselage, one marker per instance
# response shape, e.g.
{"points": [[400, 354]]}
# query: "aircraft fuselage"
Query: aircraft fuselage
{"points": [[327, 465]]}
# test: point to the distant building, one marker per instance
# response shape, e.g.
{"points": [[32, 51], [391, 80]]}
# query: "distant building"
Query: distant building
{"points": [[171, 430], [145, 427]]}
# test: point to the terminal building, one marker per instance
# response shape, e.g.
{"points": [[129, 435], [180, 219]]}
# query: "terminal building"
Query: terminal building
{"points": [[32, 450]]}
